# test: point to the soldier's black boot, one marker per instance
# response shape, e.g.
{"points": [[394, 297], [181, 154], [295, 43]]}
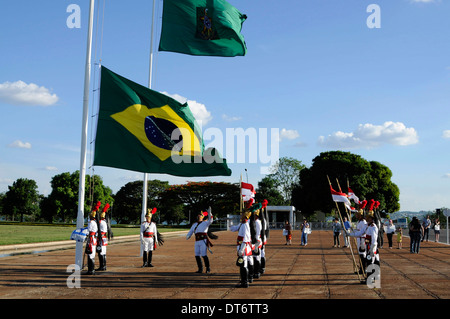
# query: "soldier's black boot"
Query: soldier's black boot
{"points": [[91, 266], [262, 268], [102, 266], [144, 258], [250, 273], [206, 260], [256, 269], [199, 264], [149, 260], [244, 278]]}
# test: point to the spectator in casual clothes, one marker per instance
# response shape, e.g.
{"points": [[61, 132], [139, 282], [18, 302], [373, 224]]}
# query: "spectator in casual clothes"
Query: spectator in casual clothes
{"points": [[415, 233], [390, 231], [437, 229], [347, 227], [426, 227], [336, 232]]}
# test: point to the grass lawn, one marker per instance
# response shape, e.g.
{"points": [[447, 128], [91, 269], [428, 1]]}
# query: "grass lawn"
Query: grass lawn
{"points": [[24, 234]]}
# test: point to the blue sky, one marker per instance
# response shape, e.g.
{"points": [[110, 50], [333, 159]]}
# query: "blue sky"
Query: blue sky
{"points": [[314, 70]]}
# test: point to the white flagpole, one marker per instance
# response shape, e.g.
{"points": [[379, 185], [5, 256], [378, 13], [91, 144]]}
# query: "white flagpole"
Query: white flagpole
{"points": [[145, 185], [84, 134]]}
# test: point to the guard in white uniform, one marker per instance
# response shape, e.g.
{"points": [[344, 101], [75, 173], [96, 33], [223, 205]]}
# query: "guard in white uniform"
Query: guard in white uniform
{"points": [[149, 238], [102, 241], [202, 242], [258, 245], [359, 233], [264, 236], [244, 248], [91, 244], [371, 242]]}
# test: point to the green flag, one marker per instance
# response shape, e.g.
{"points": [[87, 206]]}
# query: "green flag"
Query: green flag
{"points": [[143, 130], [202, 27]]}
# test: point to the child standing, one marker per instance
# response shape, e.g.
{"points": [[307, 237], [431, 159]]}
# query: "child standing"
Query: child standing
{"points": [[399, 237]]}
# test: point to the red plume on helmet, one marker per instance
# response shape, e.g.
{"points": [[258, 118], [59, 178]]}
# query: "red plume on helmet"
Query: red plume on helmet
{"points": [[106, 207], [153, 210], [264, 203], [250, 203], [371, 204], [363, 204], [205, 214], [377, 204], [97, 206]]}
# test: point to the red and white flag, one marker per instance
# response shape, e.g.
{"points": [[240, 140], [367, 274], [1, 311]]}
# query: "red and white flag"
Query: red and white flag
{"points": [[352, 195], [339, 196], [247, 191]]}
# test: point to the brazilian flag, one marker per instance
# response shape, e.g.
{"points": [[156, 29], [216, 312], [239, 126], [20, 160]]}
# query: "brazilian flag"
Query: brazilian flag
{"points": [[202, 27], [143, 130]]}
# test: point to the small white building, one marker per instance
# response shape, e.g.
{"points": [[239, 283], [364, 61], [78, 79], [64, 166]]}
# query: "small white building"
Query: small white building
{"points": [[276, 214]]}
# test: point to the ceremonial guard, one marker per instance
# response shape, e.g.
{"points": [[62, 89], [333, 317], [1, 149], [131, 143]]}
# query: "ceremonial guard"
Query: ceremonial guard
{"points": [[255, 234], [102, 240], [256, 253], [91, 244], [200, 230], [371, 242], [264, 235], [359, 233], [244, 247], [149, 238]]}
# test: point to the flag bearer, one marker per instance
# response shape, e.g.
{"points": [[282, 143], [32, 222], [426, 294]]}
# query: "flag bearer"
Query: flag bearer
{"points": [[359, 233], [244, 247], [371, 242], [200, 230], [149, 238]]}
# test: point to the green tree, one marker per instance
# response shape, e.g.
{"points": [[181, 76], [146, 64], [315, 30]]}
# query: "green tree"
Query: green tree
{"points": [[267, 189], [22, 198], [285, 176], [128, 200], [62, 203], [223, 198], [369, 180]]}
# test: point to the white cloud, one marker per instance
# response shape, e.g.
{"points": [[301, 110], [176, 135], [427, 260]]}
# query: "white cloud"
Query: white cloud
{"points": [[288, 134], [20, 93], [369, 136], [446, 134], [50, 168], [201, 114], [20, 144], [446, 175], [231, 118]]}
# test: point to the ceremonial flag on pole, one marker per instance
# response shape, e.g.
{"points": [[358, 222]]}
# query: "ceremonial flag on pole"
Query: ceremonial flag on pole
{"points": [[352, 195], [146, 131], [202, 27], [339, 196], [247, 191]]}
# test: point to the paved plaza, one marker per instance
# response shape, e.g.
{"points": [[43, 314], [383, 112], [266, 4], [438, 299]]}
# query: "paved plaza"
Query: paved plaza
{"points": [[315, 271]]}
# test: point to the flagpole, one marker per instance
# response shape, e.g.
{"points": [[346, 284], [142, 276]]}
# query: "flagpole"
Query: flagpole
{"points": [[349, 219], [342, 222], [241, 204], [84, 134], [150, 73]]}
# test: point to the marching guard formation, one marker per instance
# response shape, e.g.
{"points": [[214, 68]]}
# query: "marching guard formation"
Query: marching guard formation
{"points": [[252, 233]]}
